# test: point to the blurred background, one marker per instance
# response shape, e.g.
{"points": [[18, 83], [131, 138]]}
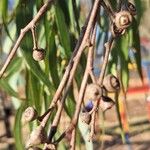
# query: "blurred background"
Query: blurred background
{"points": [[124, 127]]}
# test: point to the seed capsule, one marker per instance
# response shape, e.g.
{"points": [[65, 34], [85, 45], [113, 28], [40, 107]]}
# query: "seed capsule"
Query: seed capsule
{"points": [[38, 54], [37, 136], [92, 92], [111, 83], [115, 31], [85, 117], [29, 114], [131, 8], [106, 103], [123, 19]]}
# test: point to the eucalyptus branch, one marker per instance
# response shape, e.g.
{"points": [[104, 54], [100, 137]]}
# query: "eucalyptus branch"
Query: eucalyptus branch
{"points": [[100, 81], [74, 121], [70, 71], [30, 25]]}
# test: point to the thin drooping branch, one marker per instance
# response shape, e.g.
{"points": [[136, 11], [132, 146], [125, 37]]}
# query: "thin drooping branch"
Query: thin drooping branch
{"points": [[70, 71], [100, 82], [30, 25], [83, 86], [74, 121]]}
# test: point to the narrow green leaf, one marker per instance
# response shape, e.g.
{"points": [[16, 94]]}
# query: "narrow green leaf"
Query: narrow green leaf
{"points": [[135, 46], [17, 128], [34, 87], [4, 9], [63, 30], [6, 87], [14, 66]]}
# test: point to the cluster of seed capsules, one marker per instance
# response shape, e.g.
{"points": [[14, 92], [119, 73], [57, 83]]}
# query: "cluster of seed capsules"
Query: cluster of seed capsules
{"points": [[94, 92]]}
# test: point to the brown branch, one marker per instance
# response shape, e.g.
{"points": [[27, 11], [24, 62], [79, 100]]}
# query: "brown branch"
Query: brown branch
{"points": [[74, 121], [70, 71], [30, 25], [35, 43], [73, 139], [100, 81]]}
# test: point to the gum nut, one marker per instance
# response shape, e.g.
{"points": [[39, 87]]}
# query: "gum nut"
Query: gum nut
{"points": [[29, 114], [123, 19], [111, 83], [85, 117], [38, 54], [37, 136], [92, 92], [106, 103]]}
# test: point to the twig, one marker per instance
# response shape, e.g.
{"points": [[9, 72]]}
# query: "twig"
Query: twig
{"points": [[69, 74], [12, 53], [35, 44], [73, 139], [81, 92], [103, 69]]}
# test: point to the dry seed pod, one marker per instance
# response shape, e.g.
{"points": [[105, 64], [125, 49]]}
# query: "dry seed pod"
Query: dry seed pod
{"points": [[38, 54], [123, 19], [115, 31], [37, 136], [29, 114], [131, 8], [111, 83], [92, 92], [106, 103], [85, 117]]}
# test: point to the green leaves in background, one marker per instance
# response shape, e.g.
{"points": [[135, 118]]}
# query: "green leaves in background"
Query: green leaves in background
{"points": [[18, 128]]}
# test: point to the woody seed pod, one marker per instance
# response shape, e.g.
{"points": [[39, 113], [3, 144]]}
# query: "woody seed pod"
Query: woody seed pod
{"points": [[111, 83], [37, 136], [29, 114], [123, 19], [115, 31], [85, 117], [131, 8], [92, 92], [38, 54], [106, 103]]}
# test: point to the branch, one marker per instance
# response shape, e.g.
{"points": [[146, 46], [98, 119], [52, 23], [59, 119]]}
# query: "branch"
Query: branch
{"points": [[71, 68], [74, 121], [100, 82], [30, 25]]}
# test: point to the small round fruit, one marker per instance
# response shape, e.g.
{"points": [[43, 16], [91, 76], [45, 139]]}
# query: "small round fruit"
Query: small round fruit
{"points": [[123, 19], [106, 103], [37, 136], [85, 117], [29, 114], [92, 92], [111, 83], [38, 54], [117, 32]]}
